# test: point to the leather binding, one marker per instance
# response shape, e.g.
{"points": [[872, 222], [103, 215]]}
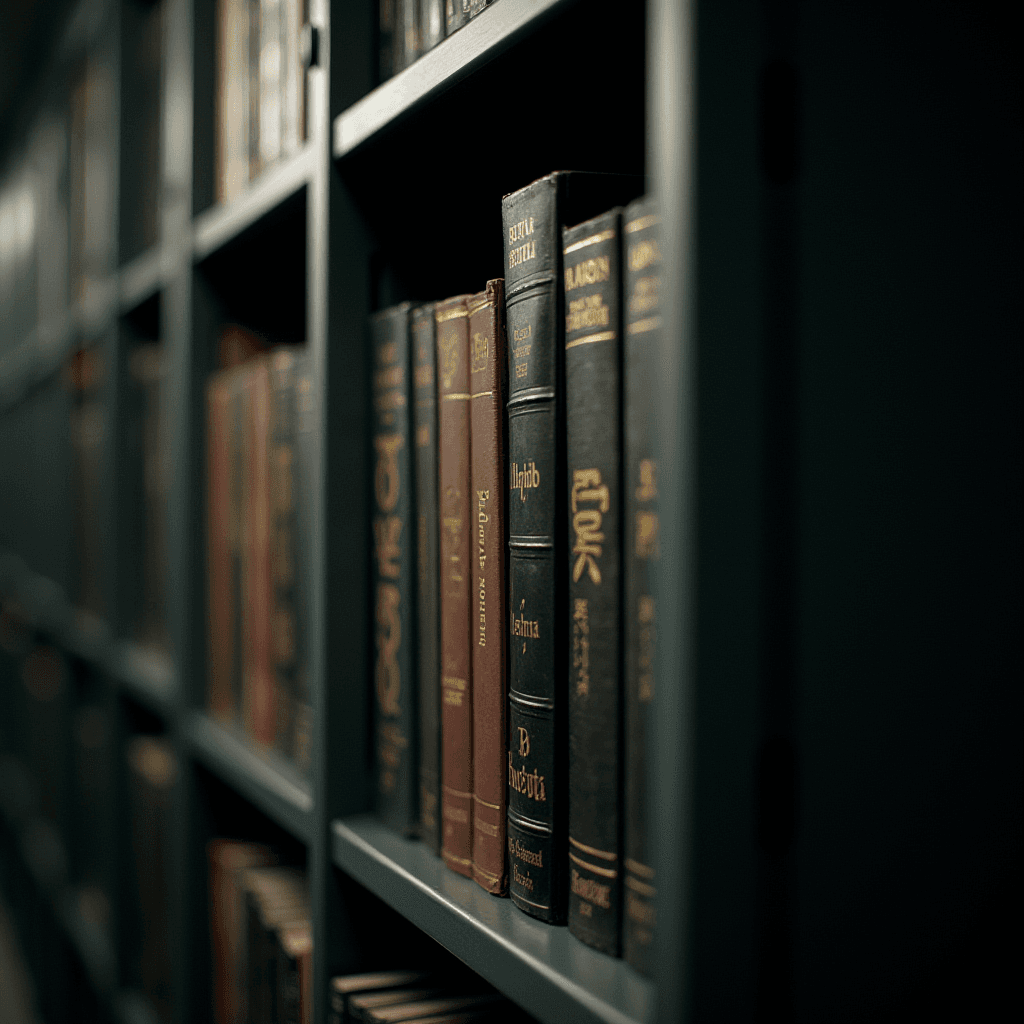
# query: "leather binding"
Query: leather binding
{"points": [[407, 34], [259, 703], [285, 624], [305, 488], [456, 668], [393, 571], [641, 314], [456, 14], [593, 413], [219, 524], [424, 342], [431, 23], [538, 614], [488, 387]]}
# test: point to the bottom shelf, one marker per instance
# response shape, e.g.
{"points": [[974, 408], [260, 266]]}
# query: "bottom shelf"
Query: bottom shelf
{"points": [[542, 968]]}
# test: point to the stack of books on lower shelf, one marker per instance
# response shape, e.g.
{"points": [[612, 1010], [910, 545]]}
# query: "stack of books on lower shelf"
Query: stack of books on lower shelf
{"points": [[261, 936], [258, 467], [515, 533], [415, 997]]}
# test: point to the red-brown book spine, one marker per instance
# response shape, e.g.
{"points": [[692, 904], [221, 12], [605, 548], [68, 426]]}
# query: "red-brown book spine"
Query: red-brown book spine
{"points": [[456, 667], [221, 628], [488, 387], [258, 687]]}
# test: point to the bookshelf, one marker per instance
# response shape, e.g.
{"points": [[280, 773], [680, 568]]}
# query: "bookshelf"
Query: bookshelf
{"points": [[838, 462]]}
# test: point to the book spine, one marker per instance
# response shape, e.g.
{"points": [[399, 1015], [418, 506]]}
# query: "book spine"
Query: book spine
{"points": [[394, 561], [456, 667], [285, 628], [593, 416], [536, 515], [642, 317], [270, 82], [424, 332], [305, 479], [431, 23], [221, 631], [387, 17], [291, 80], [236, 531], [456, 14], [258, 685], [253, 106], [408, 45], [488, 388]]}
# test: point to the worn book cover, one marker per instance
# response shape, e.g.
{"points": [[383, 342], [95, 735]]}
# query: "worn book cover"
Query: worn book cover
{"points": [[488, 634], [456, 663]]}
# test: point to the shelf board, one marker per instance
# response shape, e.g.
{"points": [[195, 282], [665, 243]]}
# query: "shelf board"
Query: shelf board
{"points": [[141, 278], [542, 968], [453, 59], [145, 675], [220, 224], [265, 780]]}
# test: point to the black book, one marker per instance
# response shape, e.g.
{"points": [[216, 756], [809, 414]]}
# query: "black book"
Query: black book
{"points": [[593, 451], [424, 341], [641, 315], [538, 612], [394, 580]]}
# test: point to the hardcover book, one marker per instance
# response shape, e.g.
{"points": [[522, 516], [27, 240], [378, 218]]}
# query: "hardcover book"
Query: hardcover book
{"points": [[593, 403], [396, 721], [538, 613], [259, 700], [641, 289], [488, 387], [456, 665], [456, 14], [407, 33], [344, 987], [424, 340]]}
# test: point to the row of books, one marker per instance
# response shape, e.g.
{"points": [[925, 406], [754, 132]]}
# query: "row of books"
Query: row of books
{"points": [[261, 89], [414, 997], [408, 28], [515, 630], [261, 936], [258, 469]]}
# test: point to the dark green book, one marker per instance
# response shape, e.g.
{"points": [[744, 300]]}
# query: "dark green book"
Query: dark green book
{"points": [[641, 315], [424, 341], [396, 722], [592, 285]]}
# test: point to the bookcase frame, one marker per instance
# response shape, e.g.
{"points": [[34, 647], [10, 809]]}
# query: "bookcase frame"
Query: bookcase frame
{"points": [[726, 712]]}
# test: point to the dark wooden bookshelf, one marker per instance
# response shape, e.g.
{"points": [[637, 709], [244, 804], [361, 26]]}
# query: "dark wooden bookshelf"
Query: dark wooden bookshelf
{"points": [[838, 704]]}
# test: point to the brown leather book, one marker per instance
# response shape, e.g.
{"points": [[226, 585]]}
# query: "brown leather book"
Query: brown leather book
{"points": [[259, 700], [227, 859], [220, 628], [488, 386], [456, 666]]}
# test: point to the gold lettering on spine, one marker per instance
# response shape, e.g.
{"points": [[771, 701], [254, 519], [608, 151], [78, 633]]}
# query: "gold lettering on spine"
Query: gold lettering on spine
{"points": [[591, 891], [592, 271], [520, 232], [645, 618], [588, 489], [389, 635], [590, 311], [521, 626], [385, 480], [482, 518], [524, 479], [529, 784], [581, 645], [387, 532]]}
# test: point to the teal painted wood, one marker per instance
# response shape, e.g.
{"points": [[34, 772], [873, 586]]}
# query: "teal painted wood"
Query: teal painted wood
{"points": [[544, 969]]}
